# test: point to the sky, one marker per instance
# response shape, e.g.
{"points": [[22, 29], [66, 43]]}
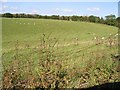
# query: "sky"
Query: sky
{"points": [[61, 8], [59, 0]]}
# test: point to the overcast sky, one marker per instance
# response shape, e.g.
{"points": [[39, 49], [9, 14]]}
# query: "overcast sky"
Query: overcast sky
{"points": [[61, 8]]}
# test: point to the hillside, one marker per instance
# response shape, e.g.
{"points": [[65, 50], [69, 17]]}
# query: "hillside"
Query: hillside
{"points": [[44, 52], [24, 29]]}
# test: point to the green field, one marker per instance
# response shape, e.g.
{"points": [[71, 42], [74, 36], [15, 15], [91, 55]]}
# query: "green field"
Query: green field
{"points": [[66, 51], [62, 30]]}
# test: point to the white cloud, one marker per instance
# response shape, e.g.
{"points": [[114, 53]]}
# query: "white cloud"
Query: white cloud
{"points": [[34, 12], [0, 9], [93, 9], [14, 8], [63, 10], [3, 0], [67, 10], [57, 9], [4, 7]]}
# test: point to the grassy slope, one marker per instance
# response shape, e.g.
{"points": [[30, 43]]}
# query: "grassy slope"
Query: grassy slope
{"points": [[61, 29], [65, 32]]}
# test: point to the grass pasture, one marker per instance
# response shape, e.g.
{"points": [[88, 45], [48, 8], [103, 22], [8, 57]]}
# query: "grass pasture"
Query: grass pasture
{"points": [[51, 53]]}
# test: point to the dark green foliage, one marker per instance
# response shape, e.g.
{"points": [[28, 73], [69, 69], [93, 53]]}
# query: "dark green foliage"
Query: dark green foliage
{"points": [[110, 19], [8, 15]]}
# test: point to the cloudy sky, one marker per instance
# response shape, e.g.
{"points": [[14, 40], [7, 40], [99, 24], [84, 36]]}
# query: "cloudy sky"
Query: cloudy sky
{"points": [[61, 8]]}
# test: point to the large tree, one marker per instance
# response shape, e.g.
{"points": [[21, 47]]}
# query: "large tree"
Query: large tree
{"points": [[92, 18], [118, 22], [111, 20], [110, 17], [9, 15]]}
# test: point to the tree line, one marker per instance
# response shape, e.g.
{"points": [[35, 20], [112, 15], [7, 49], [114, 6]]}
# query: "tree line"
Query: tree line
{"points": [[111, 20]]}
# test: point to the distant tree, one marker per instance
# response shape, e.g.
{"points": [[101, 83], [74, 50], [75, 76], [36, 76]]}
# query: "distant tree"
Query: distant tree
{"points": [[16, 15], [111, 20], [92, 18], [118, 22], [75, 18], [81, 18], [0, 15], [40, 16], [35, 16], [55, 17], [29, 16], [110, 17], [44, 17], [23, 15], [9, 15], [118, 19], [102, 21], [67, 18], [63, 18], [97, 19], [86, 18]]}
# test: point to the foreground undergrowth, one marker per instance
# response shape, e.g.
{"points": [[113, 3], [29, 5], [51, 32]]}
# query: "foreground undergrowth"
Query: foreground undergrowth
{"points": [[49, 65]]}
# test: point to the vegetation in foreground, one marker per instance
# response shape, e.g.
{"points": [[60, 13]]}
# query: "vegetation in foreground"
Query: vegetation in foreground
{"points": [[47, 66]]}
